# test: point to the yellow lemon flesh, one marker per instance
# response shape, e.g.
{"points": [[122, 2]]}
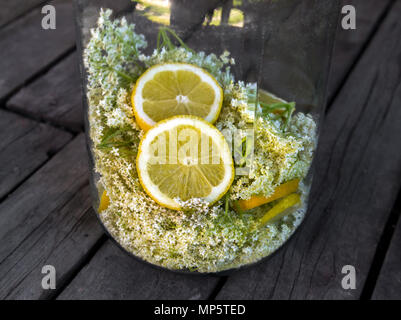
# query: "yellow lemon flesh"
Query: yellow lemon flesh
{"points": [[172, 89], [269, 98], [256, 201], [279, 210], [182, 158], [104, 202]]}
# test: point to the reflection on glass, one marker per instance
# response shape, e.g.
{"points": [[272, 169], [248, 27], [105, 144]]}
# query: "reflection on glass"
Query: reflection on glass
{"points": [[230, 12], [155, 10]]}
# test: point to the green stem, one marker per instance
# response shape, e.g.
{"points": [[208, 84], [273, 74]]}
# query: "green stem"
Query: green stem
{"points": [[122, 74], [163, 39], [226, 204], [287, 110]]}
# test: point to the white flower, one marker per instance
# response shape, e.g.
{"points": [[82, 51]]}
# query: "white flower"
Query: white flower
{"points": [[115, 151], [201, 235]]}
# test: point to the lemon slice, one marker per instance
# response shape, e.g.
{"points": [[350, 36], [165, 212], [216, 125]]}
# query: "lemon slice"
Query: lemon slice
{"points": [[268, 97], [279, 210], [258, 200], [104, 202], [182, 158], [172, 89]]}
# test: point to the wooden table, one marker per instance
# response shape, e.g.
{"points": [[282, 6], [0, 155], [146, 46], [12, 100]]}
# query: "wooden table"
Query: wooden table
{"points": [[45, 207]]}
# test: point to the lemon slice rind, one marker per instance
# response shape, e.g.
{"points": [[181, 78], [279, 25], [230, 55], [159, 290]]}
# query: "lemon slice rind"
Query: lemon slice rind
{"points": [[137, 100], [217, 137]]}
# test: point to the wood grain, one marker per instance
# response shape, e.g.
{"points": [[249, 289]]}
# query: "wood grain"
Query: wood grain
{"points": [[112, 274], [24, 146], [55, 97], [47, 221], [13, 9], [27, 49], [388, 285], [350, 43], [355, 187]]}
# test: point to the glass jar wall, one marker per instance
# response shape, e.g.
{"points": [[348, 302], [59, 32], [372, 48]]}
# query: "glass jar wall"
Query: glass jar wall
{"points": [[253, 72]]}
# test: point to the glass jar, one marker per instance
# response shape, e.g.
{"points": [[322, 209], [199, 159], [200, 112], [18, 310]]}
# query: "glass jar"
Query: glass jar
{"points": [[271, 59]]}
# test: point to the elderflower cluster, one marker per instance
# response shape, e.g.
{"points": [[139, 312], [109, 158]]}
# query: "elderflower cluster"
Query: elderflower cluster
{"points": [[199, 237], [219, 67]]}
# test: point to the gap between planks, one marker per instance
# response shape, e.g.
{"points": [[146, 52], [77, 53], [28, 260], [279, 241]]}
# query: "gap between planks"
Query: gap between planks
{"points": [[382, 249], [46, 47], [34, 77], [320, 274], [23, 13], [79, 266], [43, 119], [332, 94], [391, 224]]}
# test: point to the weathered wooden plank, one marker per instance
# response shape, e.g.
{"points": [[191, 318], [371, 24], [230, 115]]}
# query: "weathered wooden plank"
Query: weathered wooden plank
{"points": [[26, 49], [12, 9], [47, 221], [356, 183], [54, 97], [112, 274], [388, 285], [24, 146], [63, 241], [349, 43]]}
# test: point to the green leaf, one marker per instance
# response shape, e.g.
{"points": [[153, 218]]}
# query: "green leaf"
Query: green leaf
{"points": [[279, 110], [163, 39], [114, 137]]}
